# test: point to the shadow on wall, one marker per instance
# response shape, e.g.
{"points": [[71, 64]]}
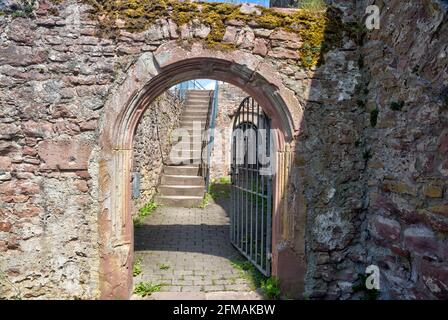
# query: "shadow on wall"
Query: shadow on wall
{"points": [[326, 186]]}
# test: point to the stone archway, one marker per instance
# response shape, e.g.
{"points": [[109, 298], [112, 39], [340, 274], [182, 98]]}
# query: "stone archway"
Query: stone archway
{"points": [[150, 76]]}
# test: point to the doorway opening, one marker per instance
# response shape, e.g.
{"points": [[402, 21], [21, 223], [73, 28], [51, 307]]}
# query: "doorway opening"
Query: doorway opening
{"points": [[202, 194], [148, 78]]}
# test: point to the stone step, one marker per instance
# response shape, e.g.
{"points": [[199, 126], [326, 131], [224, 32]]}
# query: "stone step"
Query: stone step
{"points": [[191, 144], [182, 180], [198, 102], [193, 132], [179, 201], [185, 162], [181, 170], [194, 111], [181, 190], [196, 108], [193, 140], [198, 93], [192, 124], [191, 154], [194, 117]]}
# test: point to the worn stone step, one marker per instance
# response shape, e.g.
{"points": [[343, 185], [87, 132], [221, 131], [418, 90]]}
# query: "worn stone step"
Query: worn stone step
{"points": [[194, 117], [195, 107], [192, 93], [186, 152], [195, 112], [181, 170], [189, 143], [182, 180], [179, 201], [181, 190], [192, 124], [179, 162]]}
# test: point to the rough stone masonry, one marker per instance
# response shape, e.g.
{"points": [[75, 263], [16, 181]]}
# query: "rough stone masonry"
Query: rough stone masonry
{"points": [[370, 160]]}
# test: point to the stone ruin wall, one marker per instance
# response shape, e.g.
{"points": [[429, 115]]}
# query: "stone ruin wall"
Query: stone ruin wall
{"points": [[406, 80], [152, 143], [372, 194]]}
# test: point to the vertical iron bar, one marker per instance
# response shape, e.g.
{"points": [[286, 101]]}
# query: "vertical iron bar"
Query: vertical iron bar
{"points": [[246, 165], [269, 203], [258, 187]]}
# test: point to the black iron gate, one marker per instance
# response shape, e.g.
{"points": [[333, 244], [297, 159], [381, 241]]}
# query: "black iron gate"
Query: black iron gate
{"points": [[251, 172]]}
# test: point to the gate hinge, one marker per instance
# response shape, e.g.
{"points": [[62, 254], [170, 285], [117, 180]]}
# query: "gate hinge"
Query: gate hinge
{"points": [[269, 256]]}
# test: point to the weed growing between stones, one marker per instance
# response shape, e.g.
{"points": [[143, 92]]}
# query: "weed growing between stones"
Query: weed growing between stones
{"points": [[144, 289], [312, 5], [145, 211], [164, 266], [269, 285], [137, 267], [205, 201]]}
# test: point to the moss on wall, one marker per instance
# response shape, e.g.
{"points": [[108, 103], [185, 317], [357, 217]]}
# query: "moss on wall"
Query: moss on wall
{"points": [[137, 15]]}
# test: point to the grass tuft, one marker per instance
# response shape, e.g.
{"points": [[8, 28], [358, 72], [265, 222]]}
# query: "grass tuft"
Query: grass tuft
{"points": [[144, 289]]}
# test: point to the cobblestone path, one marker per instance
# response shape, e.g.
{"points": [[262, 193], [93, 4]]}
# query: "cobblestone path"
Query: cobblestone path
{"points": [[189, 252]]}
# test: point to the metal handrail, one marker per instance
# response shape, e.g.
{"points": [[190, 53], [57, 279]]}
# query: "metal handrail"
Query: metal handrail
{"points": [[209, 137], [180, 90]]}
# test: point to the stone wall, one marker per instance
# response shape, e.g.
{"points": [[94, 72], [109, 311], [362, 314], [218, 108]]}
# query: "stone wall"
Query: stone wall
{"points": [[152, 143], [229, 99], [406, 81], [365, 187]]}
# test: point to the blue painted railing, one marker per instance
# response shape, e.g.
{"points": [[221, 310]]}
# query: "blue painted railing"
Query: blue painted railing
{"points": [[211, 137], [180, 90]]}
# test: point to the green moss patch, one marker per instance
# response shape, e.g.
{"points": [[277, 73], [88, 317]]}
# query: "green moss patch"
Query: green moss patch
{"points": [[319, 30]]}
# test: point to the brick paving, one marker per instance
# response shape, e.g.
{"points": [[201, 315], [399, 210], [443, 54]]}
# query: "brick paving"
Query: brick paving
{"points": [[188, 251]]}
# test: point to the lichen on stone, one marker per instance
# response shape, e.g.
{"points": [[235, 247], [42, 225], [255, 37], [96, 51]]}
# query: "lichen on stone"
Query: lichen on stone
{"points": [[318, 30]]}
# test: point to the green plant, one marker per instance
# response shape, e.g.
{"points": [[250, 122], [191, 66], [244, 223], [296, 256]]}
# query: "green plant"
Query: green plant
{"points": [[137, 268], [220, 190], [144, 289], [270, 288], [164, 266], [222, 180], [397, 106], [205, 200], [148, 208], [374, 117], [312, 5], [249, 272], [144, 211]]}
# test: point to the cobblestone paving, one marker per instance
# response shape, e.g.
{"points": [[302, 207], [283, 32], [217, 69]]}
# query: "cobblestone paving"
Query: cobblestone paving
{"points": [[188, 250]]}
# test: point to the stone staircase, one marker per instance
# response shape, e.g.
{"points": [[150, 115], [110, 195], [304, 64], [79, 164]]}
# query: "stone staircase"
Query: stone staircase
{"points": [[182, 184]]}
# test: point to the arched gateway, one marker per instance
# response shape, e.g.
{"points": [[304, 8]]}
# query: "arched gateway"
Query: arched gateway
{"points": [[150, 76]]}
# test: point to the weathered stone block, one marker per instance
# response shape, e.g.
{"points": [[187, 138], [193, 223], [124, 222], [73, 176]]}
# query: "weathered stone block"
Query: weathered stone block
{"points": [[433, 191], [400, 188], [386, 229], [420, 241], [441, 209], [435, 278], [260, 47], [5, 163], [65, 154], [21, 56]]}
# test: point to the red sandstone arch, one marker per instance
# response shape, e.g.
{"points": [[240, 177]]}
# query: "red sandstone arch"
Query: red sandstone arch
{"points": [[150, 76]]}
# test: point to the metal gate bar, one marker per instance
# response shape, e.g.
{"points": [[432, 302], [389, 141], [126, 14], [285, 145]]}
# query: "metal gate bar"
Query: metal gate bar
{"points": [[250, 229]]}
